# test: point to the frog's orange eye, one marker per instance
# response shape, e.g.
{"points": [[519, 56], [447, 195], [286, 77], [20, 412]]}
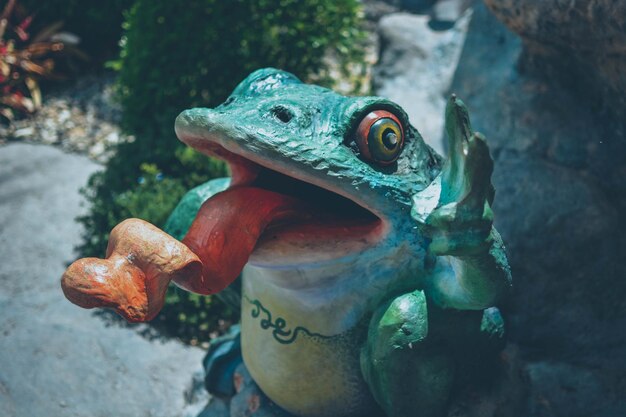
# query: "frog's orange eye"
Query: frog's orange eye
{"points": [[380, 137]]}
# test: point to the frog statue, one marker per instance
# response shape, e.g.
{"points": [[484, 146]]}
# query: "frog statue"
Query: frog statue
{"points": [[370, 268]]}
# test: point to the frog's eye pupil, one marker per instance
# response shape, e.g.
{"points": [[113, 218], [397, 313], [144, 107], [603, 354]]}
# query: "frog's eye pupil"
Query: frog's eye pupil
{"points": [[390, 139], [380, 137]]}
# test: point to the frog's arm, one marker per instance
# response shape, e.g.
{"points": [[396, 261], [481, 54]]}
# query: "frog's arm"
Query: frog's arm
{"points": [[180, 220], [470, 271], [406, 369], [414, 351]]}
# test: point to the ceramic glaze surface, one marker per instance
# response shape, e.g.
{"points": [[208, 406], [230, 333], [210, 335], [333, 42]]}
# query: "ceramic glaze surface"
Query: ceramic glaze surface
{"points": [[367, 260]]}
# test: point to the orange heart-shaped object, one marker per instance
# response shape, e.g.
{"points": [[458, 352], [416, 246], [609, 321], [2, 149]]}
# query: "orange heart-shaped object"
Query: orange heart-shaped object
{"points": [[133, 279]]}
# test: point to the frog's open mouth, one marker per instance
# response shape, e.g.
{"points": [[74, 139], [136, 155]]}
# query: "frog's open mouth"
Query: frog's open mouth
{"points": [[295, 222], [276, 213]]}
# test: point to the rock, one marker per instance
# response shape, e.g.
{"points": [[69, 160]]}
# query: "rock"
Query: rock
{"points": [[440, 10], [113, 138], [448, 11], [373, 10], [250, 400], [58, 359], [416, 67], [196, 397], [551, 107], [64, 115], [48, 135], [216, 408], [505, 396], [559, 388], [24, 132], [560, 179], [96, 149], [581, 43], [415, 6]]}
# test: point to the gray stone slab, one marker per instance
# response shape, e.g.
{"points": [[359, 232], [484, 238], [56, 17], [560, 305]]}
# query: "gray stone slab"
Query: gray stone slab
{"points": [[55, 358], [560, 180]]}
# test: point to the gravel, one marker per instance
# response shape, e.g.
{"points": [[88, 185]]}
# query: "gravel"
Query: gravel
{"points": [[82, 117]]}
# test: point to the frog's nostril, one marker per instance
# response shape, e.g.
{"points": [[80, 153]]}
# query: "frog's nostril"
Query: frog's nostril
{"points": [[282, 113]]}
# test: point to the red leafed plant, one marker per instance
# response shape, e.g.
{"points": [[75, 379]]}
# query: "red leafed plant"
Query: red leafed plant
{"points": [[24, 60]]}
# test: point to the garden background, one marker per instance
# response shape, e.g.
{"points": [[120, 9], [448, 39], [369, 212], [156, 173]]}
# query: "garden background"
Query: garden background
{"points": [[88, 94]]}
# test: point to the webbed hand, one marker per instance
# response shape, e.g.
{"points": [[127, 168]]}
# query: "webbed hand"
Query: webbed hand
{"points": [[461, 222]]}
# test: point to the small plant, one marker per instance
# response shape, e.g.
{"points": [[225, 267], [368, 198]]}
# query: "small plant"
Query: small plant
{"points": [[24, 60]]}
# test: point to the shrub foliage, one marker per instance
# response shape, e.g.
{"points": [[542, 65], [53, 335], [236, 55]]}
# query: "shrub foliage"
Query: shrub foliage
{"points": [[178, 55]]}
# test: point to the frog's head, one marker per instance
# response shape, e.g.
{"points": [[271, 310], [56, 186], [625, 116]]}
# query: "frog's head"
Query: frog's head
{"points": [[351, 163]]}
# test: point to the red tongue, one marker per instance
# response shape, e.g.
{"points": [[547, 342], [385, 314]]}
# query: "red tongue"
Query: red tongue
{"points": [[142, 260], [226, 230]]}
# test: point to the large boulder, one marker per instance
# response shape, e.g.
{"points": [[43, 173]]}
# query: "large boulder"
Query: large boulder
{"points": [[559, 146], [548, 92], [581, 42]]}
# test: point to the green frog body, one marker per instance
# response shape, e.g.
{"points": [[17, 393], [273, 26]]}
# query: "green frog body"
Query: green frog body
{"points": [[379, 286]]}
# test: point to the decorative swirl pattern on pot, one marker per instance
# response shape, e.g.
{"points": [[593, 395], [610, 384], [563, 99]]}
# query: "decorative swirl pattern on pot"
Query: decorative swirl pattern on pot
{"points": [[279, 331]]}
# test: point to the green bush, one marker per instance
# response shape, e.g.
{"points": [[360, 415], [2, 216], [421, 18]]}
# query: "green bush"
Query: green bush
{"points": [[97, 22], [178, 55], [193, 54]]}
